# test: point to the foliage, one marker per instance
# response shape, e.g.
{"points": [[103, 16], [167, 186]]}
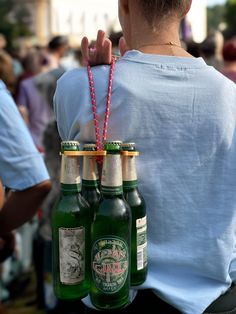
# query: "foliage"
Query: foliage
{"points": [[215, 16], [13, 20], [230, 16]]}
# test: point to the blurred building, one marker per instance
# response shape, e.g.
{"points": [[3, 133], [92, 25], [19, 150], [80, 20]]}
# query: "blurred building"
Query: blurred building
{"points": [[197, 19], [75, 18]]}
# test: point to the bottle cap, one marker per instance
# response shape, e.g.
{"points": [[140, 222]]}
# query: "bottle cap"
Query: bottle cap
{"points": [[112, 145], [128, 147], [70, 146], [90, 147]]}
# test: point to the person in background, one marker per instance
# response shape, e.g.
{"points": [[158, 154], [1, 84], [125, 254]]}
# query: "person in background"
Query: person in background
{"points": [[57, 48], [193, 48], [115, 37], [6, 71], [35, 93], [211, 49], [229, 55], [22, 169], [7, 242], [181, 114]]}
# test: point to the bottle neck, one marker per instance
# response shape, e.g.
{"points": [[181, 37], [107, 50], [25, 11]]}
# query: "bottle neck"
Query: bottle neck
{"points": [[129, 173], [111, 183], [70, 175], [90, 176], [69, 189]]}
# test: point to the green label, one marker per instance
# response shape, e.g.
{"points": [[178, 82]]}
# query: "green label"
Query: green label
{"points": [[110, 264], [141, 227]]}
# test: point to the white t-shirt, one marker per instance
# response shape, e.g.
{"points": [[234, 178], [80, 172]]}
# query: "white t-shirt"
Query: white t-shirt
{"points": [[181, 114]]}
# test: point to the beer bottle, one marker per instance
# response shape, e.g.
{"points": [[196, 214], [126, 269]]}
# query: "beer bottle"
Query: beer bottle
{"points": [[71, 231], [90, 178], [111, 236], [139, 220]]}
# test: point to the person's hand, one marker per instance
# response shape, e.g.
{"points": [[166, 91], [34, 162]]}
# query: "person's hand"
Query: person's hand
{"points": [[24, 113], [7, 246], [101, 53]]}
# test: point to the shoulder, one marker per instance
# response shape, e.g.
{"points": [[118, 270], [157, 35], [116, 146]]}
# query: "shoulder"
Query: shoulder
{"points": [[76, 79], [6, 100], [217, 78], [3, 90]]}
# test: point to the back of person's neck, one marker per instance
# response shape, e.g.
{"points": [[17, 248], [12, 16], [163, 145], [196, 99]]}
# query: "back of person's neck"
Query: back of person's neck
{"points": [[162, 40]]}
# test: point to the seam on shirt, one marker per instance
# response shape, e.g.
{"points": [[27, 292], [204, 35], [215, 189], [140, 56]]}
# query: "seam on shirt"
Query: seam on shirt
{"points": [[167, 65]]}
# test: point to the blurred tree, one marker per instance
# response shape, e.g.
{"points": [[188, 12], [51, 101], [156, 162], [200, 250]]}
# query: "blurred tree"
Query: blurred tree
{"points": [[14, 19], [230, 17], [215, 17]]}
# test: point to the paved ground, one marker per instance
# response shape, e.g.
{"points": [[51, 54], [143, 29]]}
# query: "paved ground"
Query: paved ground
{"points": [[24, 296]]}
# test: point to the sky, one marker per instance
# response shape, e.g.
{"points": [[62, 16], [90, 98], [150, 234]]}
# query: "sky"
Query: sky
{"points": [[213, 2]]}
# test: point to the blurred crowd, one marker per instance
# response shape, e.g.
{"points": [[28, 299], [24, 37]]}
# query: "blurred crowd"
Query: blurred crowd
{"points": [[31, 79]]}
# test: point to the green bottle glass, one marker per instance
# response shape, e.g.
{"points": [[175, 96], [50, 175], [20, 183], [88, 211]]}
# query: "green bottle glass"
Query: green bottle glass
{"points": [[71, 226], [111, 237], [139, 219], [90, 178]]}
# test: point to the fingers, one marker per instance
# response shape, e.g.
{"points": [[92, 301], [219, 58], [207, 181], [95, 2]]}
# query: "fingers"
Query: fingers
{"points": [[107, 51], [85, 49], [101, 53], [101, 36], [103, 49]]}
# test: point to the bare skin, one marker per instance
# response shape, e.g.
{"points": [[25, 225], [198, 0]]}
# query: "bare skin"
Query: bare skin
{"points": [[21, 206], [17, 209]]}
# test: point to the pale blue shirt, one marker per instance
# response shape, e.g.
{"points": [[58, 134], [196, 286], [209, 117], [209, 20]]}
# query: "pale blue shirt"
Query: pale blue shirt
{"points": [[21, 165], [181, 113]]}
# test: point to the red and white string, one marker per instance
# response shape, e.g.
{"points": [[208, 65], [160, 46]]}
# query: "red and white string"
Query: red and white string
{"points": [[100, 143]]}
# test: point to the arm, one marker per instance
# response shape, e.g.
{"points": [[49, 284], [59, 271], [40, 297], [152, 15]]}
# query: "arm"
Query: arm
{"points": [[22, 168], [22, 206]]}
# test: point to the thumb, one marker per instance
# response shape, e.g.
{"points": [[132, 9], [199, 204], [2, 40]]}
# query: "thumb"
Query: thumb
{"points": [[123, 46]]}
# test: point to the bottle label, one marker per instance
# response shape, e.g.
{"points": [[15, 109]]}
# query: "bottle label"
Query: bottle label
{"points": [[70, 170], [72, 255], [129, 169], [141, 227], [112, 173], [110, 264], [90, 170]]}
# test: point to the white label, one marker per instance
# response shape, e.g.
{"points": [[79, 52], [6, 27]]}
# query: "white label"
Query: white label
{"points": [[129, 169], [70, 173], [72, 255], [90, 170], [112, 172], [141, 227]]}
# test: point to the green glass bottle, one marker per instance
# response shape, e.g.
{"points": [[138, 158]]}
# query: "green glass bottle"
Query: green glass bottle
{"points": [[90, 178], [71, 226], [111, 236], [139, 219]]}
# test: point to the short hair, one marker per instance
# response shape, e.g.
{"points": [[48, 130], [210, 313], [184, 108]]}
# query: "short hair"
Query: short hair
{"points": [[56, 42], [229, 50], [159, 10]]}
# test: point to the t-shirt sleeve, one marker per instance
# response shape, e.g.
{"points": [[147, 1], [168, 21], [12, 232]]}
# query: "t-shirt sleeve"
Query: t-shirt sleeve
{"points": [[21, 165]]}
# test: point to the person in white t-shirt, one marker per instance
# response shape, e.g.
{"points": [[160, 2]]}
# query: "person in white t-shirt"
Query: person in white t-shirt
{"points": [[181, 114]]}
